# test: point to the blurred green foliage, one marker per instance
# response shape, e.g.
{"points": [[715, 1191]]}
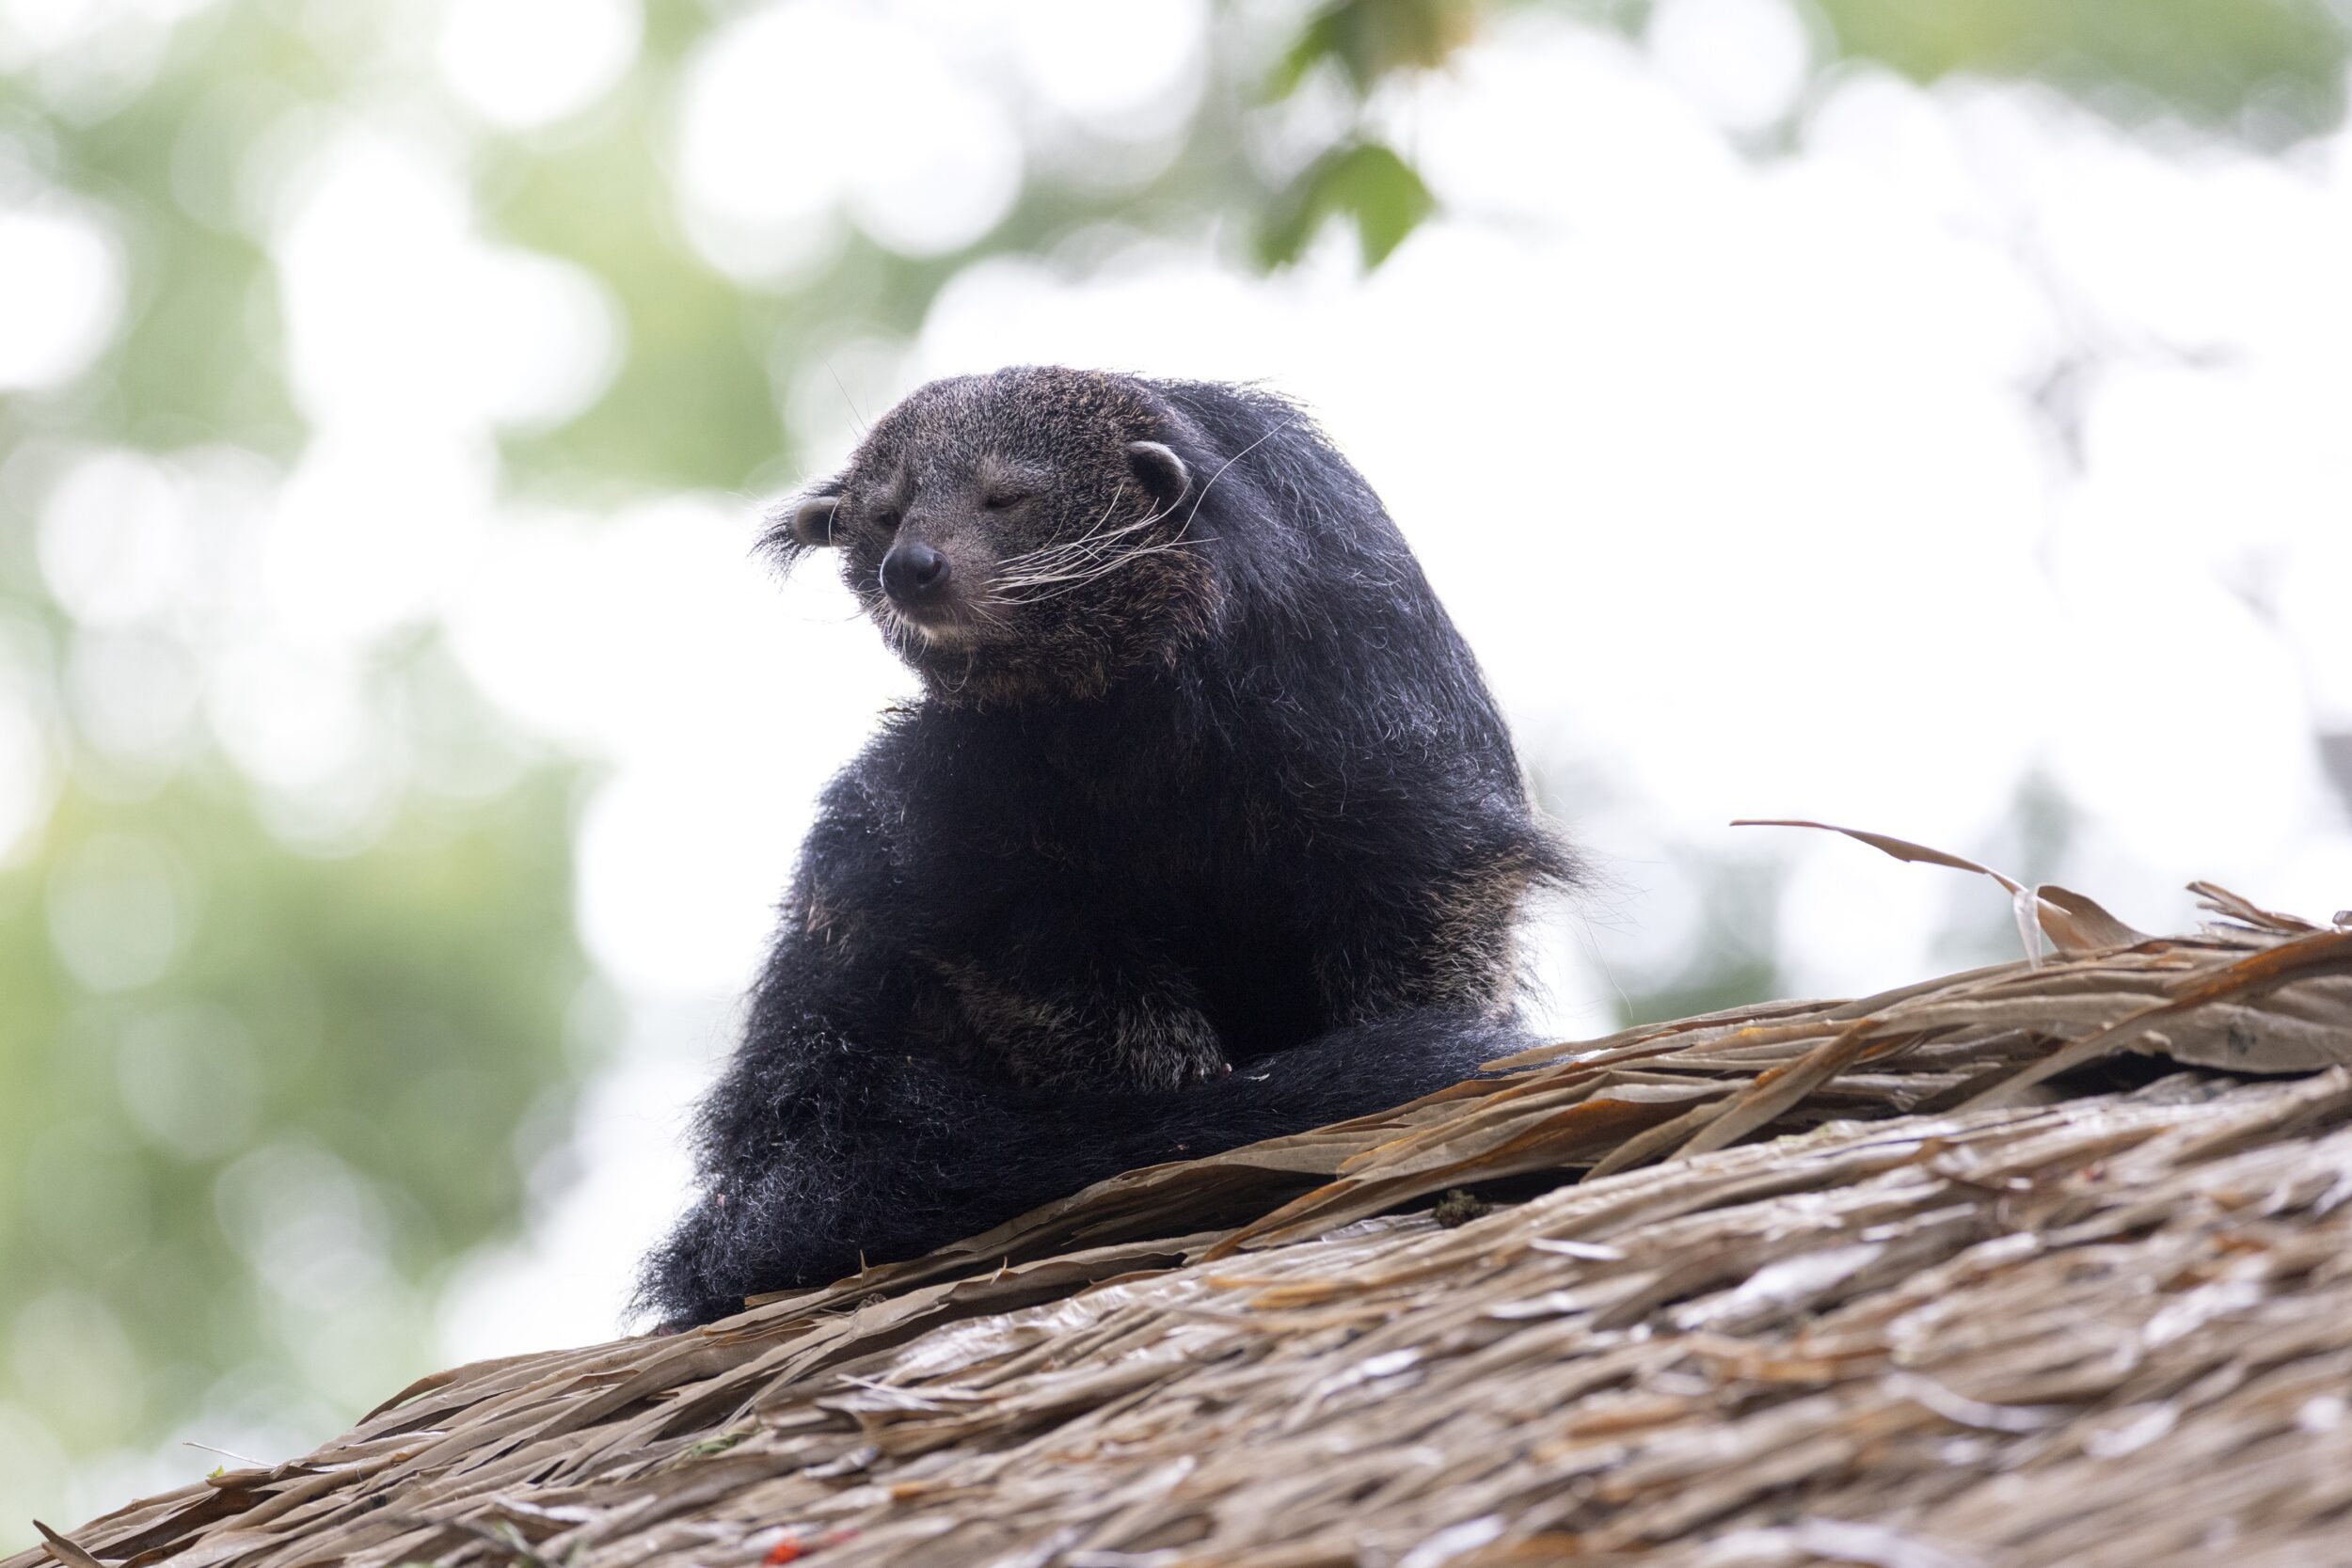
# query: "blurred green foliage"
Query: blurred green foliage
{"points": [[1730, 961], [2269, 71], [1368, 183], [200, 1014], [1371, 40], [255, 1097]]}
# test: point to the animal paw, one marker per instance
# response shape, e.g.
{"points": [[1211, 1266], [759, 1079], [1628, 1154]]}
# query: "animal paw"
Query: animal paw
{"points": [[1169, 1048], [1203, 1070]]}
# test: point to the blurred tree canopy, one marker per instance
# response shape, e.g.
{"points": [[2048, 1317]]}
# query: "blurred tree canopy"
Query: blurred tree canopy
{"points": [[254, 1100], [199, 1021], [206, 1011], [693, 403], [2268, 72]]}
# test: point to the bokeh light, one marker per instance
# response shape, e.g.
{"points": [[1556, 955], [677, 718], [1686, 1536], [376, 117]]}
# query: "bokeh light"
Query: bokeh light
{"points": [[522, 64]]}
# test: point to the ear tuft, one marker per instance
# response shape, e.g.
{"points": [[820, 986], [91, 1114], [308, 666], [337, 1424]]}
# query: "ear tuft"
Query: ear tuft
{"points": [[811, 521], [1163, 474], [802, 524]]}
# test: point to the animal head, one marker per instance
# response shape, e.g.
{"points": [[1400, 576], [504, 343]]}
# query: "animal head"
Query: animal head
{"points": [[1017, 536]]}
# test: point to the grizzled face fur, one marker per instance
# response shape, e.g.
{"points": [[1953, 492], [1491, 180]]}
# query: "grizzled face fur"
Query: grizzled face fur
{"points": [[1017, 536]]}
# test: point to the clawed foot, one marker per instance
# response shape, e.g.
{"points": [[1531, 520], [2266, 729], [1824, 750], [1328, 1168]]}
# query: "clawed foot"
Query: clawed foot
{"points": [[1205, 1070], [1181, 1053]]}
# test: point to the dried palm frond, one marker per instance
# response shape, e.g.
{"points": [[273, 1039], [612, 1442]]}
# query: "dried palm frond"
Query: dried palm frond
{"points": [[2049, 1262]]}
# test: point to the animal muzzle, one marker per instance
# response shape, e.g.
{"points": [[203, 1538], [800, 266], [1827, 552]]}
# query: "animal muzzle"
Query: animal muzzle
{"points": [[915, 574]]}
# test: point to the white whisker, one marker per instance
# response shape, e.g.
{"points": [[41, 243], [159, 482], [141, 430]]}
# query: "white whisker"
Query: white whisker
{"points": [[1075, 563]]}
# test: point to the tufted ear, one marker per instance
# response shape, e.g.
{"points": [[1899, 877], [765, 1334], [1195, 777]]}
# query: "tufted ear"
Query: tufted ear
{"points": [[1163, 474], [803, 523], [811, 521]]}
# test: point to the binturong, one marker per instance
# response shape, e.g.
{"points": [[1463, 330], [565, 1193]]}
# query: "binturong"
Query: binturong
{"points": [[1205, 828]]}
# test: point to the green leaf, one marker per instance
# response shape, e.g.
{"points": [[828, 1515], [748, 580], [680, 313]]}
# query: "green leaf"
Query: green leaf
{"points": [[1368, 40], [1366, 182]]}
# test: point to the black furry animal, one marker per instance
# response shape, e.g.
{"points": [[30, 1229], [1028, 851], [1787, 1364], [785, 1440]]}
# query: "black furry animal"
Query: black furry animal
{"points": [[1204, 829]]}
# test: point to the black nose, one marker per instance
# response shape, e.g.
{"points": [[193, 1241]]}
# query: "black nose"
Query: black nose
{"points": [[914, 573]]}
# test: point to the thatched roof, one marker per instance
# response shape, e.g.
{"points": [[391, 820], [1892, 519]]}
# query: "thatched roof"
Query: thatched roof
{"points": [[2025, 1266]]}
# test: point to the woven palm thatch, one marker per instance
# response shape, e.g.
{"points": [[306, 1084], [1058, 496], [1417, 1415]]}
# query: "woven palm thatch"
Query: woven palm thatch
{"points": [[2044, 1263]]}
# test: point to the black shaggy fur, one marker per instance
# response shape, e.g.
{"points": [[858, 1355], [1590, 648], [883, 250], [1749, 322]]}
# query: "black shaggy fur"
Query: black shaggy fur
{"points": [[1205, 830]]}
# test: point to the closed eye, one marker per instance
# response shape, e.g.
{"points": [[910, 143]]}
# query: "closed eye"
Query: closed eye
{"points": [[1005, 500]]}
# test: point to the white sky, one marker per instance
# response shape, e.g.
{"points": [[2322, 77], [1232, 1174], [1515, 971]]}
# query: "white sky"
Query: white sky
{"points": [[1727, 469]]}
